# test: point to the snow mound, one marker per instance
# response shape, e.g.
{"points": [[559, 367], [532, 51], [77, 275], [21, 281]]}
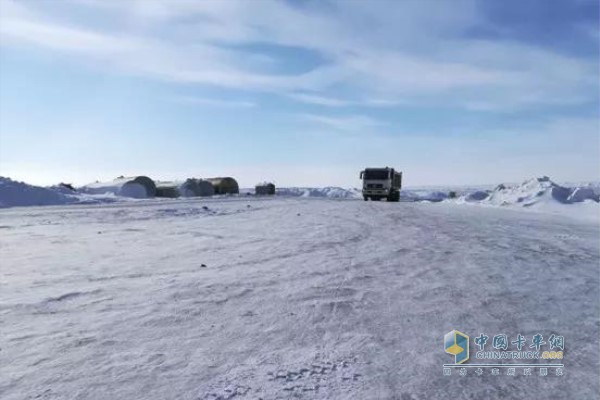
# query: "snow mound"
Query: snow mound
{"points": [[582, 194], [541, 195], [478, 195], [14, 194], [326, 192], [538, 191], [63, 188], [423, 195]]}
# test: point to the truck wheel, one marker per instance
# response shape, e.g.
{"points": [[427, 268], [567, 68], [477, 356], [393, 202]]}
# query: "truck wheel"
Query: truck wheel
{"points": [[366, 198]]}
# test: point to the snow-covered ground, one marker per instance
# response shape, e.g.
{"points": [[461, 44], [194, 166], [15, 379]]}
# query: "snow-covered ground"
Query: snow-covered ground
{"points": [[287, 297]]}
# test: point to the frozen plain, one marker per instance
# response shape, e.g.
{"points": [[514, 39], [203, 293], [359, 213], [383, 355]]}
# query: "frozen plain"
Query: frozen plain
{"points": [[297, 298]]}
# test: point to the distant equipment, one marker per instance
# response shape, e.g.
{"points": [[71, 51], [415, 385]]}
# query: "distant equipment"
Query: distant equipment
{"points": [[224, 185], [381, 183], [265, 189]]}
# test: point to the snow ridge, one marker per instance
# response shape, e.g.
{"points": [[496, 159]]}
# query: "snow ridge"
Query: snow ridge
{"points": [[532, 192]]}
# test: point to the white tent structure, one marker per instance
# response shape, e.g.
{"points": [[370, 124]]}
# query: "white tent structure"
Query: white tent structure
{"points": [[139, 187], [189, 188], [224, 185], [197, 187]]}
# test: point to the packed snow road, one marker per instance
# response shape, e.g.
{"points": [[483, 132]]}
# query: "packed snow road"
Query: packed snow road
{"points": [[288, 298]]}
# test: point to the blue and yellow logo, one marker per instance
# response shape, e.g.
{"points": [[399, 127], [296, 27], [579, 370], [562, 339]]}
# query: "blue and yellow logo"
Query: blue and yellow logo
{"points": [[457, 344]]}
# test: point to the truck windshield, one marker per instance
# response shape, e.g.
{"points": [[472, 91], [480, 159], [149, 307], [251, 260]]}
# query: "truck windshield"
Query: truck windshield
{"points": [[376, 174]]}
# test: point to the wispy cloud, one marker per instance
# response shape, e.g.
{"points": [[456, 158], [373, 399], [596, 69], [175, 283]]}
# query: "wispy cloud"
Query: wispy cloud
{"points": [[325, 101], [319, 100], [354, 123], [419, 53], [204, 101]]}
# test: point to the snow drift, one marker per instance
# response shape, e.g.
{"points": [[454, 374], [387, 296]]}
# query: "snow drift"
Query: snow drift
{"points": [[539, 194], [537, 191], [478, 195], [13, 193], [422, 195], [326, 192]]}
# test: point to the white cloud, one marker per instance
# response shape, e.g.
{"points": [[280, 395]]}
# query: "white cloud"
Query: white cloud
{"points": [[203, 101], [325, 101], [353, 123], [409, 52], [319, 100], [185, 61]]}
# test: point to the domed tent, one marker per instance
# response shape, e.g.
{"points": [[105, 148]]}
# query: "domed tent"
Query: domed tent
{"points": [[266, 188], [191, 187], [188, 188], [167, 189], [196, 187], [224, 185], [137, 187], [204, 188]]}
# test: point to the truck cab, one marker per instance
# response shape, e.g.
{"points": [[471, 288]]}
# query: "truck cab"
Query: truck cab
{"points": [[380, 183]]}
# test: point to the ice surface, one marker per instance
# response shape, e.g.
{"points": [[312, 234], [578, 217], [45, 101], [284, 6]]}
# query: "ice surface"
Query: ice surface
{"points": [[287, 297]]}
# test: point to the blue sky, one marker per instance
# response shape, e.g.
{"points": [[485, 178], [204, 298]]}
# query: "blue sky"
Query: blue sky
{"points": [[299, 92]]}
